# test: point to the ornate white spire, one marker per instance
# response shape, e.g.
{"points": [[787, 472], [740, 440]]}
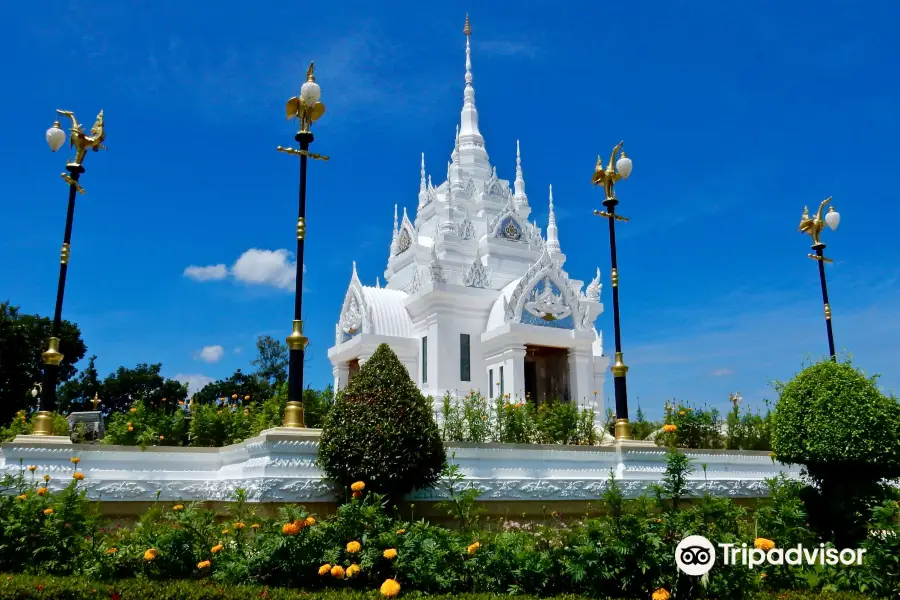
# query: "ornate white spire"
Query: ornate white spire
{"points": [[520, 179], [423, 189], [552, 231], [435, 272], [593, 289], [469, 130], [378, 283], [396, 233], [477, 275]]}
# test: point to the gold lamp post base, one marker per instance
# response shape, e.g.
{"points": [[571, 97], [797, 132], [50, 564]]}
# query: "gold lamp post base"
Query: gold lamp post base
{"points": [[43, 423], [293, 415], [623, 430]]}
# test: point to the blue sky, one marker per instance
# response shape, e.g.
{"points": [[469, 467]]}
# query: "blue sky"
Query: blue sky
{"points": [[735, 116]]}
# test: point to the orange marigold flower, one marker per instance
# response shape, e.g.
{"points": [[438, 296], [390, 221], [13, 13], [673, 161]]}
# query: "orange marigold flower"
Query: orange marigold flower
{"points": [[234, 396], [390, 554], [390, 588], [21, 497], [77, 476], [670, 428], [247, 397], [134, 410], [290, 529], [151, 554], [42, 491], [763, 544], [310, 521], [357, 494], [75, 460], [32, 468], [353, 547], [162, 437], [217, 548], [204, 564], [352, 570], [401, 531], [130, 428], [178, 507], [224, 532], [255, 526], [239, 525], [325, 569], [337, 571], [473, 548], [358, 486], [661, 594], [112, 550], [48, 511]]}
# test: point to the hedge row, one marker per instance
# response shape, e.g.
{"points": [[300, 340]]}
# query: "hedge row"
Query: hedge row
{"points": [[14, 587]]}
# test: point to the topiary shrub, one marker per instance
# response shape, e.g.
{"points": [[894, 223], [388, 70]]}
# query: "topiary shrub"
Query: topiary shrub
{"points": [[381, 430], [832, 419]]}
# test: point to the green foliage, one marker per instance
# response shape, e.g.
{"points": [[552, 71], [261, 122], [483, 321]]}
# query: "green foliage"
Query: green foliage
{"points": [[23, 425], [144, 383], [832, 419], [381, 430], [228, 422], [461, 502], [238, 387], [641, 428], [22, 340], [748, 431], [143, 425], [472, 419], [271, 362], [77, 393]]}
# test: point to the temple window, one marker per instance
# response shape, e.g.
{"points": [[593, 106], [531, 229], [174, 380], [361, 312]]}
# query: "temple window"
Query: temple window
{"points": [[424, 360], [465, 357]]}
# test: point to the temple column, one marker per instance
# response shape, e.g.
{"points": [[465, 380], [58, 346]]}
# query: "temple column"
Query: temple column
{"points": [[581, 376], [341, 373], [513, 361]]}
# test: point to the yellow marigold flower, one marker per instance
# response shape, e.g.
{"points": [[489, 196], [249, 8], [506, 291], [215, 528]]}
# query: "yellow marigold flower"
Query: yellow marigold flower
{"points": [[77, 476], [473, 548], [239, 525], [21, 497], [178, 507], [75, 460], [46, 478], [390, 554], [130, 428], [32, 468], [204, 564], [661, 594], [401, 531], [48, 511], [352, 570], [337, 571], [353, 547], [112, 550], [247, 397], [255, 526], [42, 491], [151, 554], [325, 569], [134, 410], [763, 544], [390, 588], [670, 428], [358, 486], [762, 575], [290, 529], [310, 521], [224, 532], [129, 423], [234, 396], [681, 412], [217, 548]]}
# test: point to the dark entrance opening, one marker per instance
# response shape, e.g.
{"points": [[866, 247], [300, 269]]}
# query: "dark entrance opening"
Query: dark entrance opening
{"points": [[546, 373]]}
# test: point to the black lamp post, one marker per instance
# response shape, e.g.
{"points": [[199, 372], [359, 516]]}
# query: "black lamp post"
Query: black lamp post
{"points": [[307, 109], [82, 142], [615, 171], [813, 226]]}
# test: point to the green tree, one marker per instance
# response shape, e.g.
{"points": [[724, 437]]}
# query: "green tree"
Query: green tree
{"points": [[22, 340], [832, 419], [76, 394], [382, 431], [144, 382], [237, 387], [272, 358]]}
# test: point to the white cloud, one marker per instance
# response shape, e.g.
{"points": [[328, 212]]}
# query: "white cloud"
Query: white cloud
{"points": [[195, 382], [266, 267], [721, 373], [256, 266], [210, 273], [211, 354]]}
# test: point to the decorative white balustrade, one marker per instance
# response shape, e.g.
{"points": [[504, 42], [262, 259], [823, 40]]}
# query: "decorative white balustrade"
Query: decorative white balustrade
{"points": [[279, 465]]}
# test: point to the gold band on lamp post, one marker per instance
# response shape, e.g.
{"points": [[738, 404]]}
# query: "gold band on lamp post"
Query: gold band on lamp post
{"points": [[293, 410]]}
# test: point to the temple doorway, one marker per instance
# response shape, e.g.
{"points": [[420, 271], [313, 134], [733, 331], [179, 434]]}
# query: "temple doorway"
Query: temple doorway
{"points": [[546, 373], [352, 369]]}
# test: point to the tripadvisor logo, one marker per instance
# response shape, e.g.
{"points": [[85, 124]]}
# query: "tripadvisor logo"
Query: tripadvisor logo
{"points": [[696, 555]]}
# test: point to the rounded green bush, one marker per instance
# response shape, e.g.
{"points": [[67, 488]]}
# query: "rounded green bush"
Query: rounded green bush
{"points": [[831, 416], [381, 431]]}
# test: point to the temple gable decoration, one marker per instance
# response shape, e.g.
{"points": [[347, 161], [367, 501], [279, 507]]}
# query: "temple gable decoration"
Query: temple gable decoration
{"points": [[544, 296], [510, 225], [355, 315], [406, 235]]}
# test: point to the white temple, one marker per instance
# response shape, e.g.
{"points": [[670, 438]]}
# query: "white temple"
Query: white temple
{"points": [[476, 297]]}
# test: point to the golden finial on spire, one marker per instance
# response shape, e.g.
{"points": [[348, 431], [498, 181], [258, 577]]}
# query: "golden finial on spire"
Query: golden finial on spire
{"points": [[309, 72], [468, 28]]}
